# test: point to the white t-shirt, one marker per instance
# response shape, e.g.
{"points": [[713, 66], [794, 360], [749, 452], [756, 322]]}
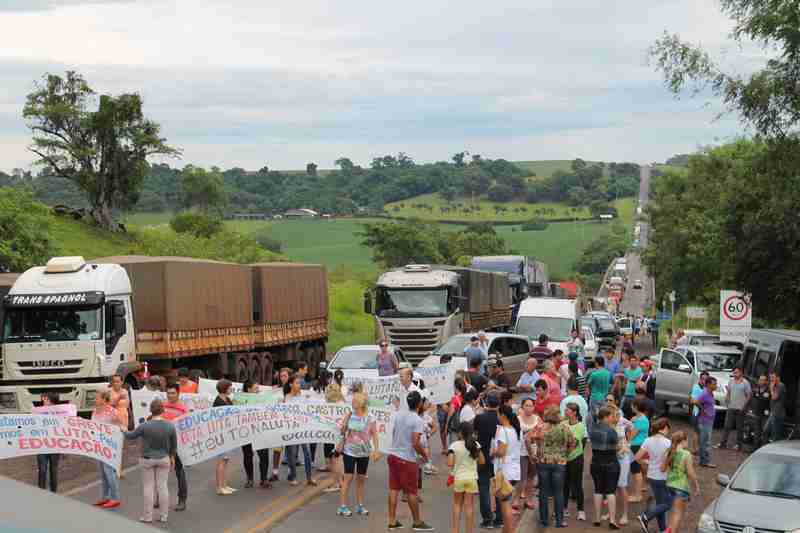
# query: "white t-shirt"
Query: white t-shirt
{"points": [[402, 400], [467, 414], [510, 462], [657, 447]]}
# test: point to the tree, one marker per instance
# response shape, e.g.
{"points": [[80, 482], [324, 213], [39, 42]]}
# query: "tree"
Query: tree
{"points": [[103, 150], [197, 224], [401, 243], [500, 193], [25, 238], [203, 189]]}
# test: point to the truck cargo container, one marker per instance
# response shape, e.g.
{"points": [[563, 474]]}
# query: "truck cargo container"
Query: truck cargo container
{"points": [[526, 277], [419, 307], [72, 324]]}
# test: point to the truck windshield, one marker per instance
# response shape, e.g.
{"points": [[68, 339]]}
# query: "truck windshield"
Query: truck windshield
{"points": [[412, 302], [717, 361], [25, 325], [556, 329]]}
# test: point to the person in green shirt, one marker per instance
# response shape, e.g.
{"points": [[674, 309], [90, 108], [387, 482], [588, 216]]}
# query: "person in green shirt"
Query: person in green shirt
{"points": [[574, 482], [599, 383], [680, 470], [632, 376]]}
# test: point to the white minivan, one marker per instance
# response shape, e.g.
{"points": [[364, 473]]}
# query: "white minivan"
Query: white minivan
{"points": [[555, 317]]}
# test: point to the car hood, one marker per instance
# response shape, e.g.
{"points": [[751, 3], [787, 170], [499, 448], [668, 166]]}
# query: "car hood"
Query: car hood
{"points": [[722, 377], [761, 512], [434, 360]]}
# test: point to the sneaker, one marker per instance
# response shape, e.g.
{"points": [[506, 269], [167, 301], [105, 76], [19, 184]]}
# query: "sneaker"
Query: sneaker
{"points": [[360, 509], [344, 511], [720, 446], [643, 521], [274, 477], [230, 489], [181, 506], [144, 520], [223, 491], [100, 503], [486, 525], [604, 517], [294, 483], [111, 504], [249, 484], [582, 516], [396, 525], [422, 526]]}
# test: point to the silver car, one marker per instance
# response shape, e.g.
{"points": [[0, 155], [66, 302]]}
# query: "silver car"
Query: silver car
{"points": [[763, 496], [514, 350]]}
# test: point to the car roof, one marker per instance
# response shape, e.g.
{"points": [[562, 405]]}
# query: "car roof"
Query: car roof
{"points": [[782, 447], [364, 347], [490, 336], [713, 348], [697, 333]]}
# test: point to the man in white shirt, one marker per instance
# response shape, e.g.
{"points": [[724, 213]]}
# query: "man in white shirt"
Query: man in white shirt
{"points": [[407, 385], [528, 378]]}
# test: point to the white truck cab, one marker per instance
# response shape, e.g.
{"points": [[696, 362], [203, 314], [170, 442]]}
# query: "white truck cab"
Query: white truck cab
{"points": [[68, 326], [555, 317]]}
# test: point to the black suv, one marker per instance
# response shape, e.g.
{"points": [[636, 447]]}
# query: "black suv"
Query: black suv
{"points": [[607, 330]]}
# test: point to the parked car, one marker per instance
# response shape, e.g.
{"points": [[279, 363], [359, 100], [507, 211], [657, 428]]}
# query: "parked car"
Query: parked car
{"points": [[678, 370], [361, 360], [607, 331], [625, 327], [589, 343], [763, 495], [513, 350]]}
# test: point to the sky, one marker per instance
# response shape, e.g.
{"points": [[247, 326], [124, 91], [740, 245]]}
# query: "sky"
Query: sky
{"points": [[250, 83]]}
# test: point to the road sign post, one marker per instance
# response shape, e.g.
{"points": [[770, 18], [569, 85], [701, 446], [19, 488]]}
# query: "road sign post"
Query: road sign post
{"points": [[735, 316]]}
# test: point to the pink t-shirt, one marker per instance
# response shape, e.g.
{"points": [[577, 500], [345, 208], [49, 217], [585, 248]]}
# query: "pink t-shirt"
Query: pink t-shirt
{"points": [[358, 439]]}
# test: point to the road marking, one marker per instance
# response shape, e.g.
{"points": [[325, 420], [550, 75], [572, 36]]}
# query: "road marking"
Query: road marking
{"points": [[304, 496]]}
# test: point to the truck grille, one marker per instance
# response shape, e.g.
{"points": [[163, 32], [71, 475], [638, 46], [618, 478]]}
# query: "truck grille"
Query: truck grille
{"points": [[50, 368], [728, 527], [416, 343]]}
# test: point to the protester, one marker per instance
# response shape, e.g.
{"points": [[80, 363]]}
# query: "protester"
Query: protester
{"points": [[605, 466], [541, 350], [505, 451], [47, 463], [575, 344], [639, 432], [697, 390], [223, 398], [655, 450], [187, 386], [456, 403], [483, 342], [777, 407], [474, 376], [283, 380], [631, 375], [153, 384], [470, 408], [463, 458], [555, 442], [497, 375], [574, 397], [159, 446], [542, 399], [528, 421], [761, 400], [333, 394], [653, 325], [388, 365], [252, 387], [121, 401], [623, 427], [528, 379], [680, 470], [402, 461], [292, 393], [612, 364], [474, 351], [173, 409], [105, 413], [573, 485], [359, 443], [671, 338], [423, 459], [302, 373], [737, 397], [705, 421], [599, 383], [576, 372], [486, 427], [553, 379]]}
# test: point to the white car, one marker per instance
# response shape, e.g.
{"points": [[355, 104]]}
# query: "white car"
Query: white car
{"points": [[625, 327], [637, 284], [589, 343], [361, 360]]}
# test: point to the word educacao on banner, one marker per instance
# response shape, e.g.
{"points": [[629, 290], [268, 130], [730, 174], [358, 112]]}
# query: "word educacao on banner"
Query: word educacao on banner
{"points": [[36, 434], [210, 432]]}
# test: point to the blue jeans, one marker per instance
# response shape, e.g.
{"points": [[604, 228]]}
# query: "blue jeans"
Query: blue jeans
{"points": [[551, 485], [663, 504], [110, 485], [594, 407], [291, 456], [774, 428], [704, 430]]}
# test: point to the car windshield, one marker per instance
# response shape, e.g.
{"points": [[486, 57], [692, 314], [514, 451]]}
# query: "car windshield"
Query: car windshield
{"points": [[624, 323], [606, 324], [556, 329], [770, 475], [356, 359], [704, 340], [25, 325], [588, 323], [717, 361], [454, 346], [413, 302]]}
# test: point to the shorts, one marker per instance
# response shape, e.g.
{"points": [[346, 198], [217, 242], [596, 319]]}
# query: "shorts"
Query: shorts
{"points": [[678, 493], [605, 477], [624, 472], [469, 486], [328, 449], [355, 464], [636, 468], [441, 417], [403, 475]]}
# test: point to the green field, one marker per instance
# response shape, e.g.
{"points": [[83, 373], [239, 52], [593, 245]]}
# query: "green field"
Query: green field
{"points": [[545, 169]]}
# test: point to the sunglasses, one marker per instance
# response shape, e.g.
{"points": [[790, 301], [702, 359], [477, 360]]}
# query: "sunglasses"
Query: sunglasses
{"points": [[384, 345]]}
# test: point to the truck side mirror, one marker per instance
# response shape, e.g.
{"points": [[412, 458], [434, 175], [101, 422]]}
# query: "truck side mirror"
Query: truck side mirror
{"points": [[367, 303]]}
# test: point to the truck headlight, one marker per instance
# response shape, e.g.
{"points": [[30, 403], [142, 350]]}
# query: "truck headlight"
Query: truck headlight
{"points": [[706, 523], [90, 398], [8, 400]]}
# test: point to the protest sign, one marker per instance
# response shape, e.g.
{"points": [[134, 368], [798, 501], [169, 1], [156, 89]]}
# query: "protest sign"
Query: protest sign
{"points": [[209, 386], [141, 399], [266, 396], [438, 381], [36, 434], [205, 434], [61, 409]]}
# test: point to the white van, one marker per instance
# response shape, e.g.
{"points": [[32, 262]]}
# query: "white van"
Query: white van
{"points": [[555, 317]]}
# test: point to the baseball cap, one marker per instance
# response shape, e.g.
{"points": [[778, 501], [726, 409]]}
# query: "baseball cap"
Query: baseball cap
{"points": [[474, 338]]}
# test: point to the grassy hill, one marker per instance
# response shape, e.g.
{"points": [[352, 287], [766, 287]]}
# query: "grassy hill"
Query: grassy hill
{"points": [[546, 168]]}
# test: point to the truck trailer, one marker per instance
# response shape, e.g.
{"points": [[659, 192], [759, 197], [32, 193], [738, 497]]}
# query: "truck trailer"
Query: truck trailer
{"points": [[419, 307], [526, 276], [72, 324]]}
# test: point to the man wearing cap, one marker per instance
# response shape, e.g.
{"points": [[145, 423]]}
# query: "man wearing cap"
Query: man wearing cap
{"points": [[497, 374]]}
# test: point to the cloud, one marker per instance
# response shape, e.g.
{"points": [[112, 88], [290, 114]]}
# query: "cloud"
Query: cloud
{"points": [[44, 5]]}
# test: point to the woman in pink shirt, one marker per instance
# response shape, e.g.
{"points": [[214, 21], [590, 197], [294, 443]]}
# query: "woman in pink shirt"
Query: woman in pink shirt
{"points": [[106, 414]]}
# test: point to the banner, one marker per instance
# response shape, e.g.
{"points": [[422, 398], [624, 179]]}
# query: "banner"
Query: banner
{"points": [[205, 434], [141, 399], [439, 384], [61, 409], [267, 396], [22, 435], [439, 381], [209, 386]]}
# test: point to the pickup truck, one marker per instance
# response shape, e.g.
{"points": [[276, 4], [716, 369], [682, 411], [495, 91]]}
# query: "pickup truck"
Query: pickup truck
{"points": [[677, 370]]}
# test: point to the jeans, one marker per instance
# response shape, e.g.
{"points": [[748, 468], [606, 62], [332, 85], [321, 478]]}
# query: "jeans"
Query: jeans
{"points": [[48, 462], [594, 407], [551, 485], [573, 485], [704, 430], [180, 475], [734, 418], [155, 473], [658, 487], [774, 428], [110, 485], [484, 496], [263, 462], [291, 456]]}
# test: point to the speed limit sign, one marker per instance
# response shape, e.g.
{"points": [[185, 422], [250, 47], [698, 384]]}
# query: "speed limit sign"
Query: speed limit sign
{"points": [[735, 316]]}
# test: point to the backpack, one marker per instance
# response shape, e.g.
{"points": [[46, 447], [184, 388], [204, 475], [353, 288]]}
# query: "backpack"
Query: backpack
{"points": [[454, 422]]}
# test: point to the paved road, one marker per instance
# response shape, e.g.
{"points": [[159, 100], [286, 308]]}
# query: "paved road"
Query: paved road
{"points": [[639, 301]]}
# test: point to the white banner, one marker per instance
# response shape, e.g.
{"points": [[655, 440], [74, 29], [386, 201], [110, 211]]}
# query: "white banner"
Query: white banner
{"points": [[209, 386], [439, 384], [141, 399], [36, 434], [735, 316], [61, 409], [205, 434]]}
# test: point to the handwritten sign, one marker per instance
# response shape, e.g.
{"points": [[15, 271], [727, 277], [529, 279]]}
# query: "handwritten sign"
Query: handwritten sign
{"points": [[205, 434], [209, 386], [141, 399], [439, 384], [22, 435], [61, 409]]}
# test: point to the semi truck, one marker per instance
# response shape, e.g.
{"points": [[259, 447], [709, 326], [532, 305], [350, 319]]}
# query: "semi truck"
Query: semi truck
{"points": [[526, 276], [419, 307], [72, 324]]}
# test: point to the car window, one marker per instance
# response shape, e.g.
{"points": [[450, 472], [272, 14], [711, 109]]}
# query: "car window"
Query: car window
{"points": [[748, 359], [360, 359], [518, 346], [762, 362], [690, 357], [671, 360], [770, 475], [498, 346]]}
